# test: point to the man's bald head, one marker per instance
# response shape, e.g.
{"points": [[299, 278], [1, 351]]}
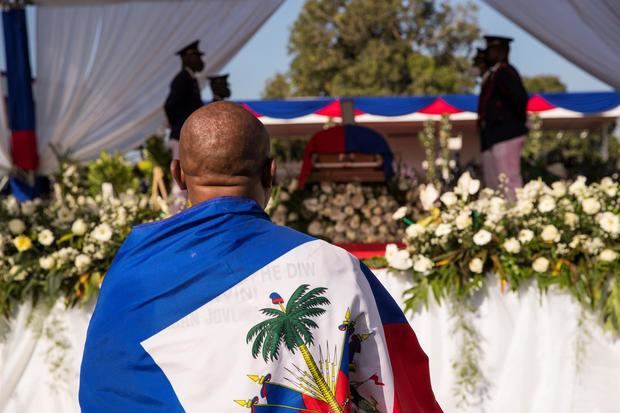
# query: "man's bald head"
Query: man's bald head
{"points": [[223, 139], [224, 151]]}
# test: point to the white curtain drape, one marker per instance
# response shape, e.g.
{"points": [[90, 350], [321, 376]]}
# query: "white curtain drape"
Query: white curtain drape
{"points": [[5, 154], [528, 342], [104, 70], [585, 32]]}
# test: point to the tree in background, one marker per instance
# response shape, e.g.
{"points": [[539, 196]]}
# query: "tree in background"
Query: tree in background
{"points": [[368, 47], [543, 84]]}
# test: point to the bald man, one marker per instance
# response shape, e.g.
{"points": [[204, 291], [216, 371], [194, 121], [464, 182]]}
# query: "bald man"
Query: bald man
{"points": [[218, 310]]}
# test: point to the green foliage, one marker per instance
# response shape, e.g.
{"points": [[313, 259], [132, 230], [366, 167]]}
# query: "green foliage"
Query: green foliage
{"points": [[366, 47], [278, 87], [112, 169], [543, 83], [578, 151], [471, 386], [291, 326], [288, 149], [157, 153]]}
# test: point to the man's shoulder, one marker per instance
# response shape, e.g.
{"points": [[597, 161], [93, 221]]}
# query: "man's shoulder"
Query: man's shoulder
{"points": [[181, 78], [506, 70]]}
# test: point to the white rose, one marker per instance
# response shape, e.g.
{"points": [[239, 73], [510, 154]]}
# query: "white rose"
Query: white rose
{"points": [[292, 217], [46, 237], [390, 251], [339, 200], [541, 264], [463, 220], [482, 237], [340, 227], [28, 208], [524, 207], [609, 222], [82, 262], [65, 215], [357, 201], [415, 230], [348, 210], [571, 219], [591, 206], [476, 265], [608, 255], [609, 186], [398, 259], [17, 226], [466, 185], [558, 189], [550, 234], [449, 199], [593, 246], [577, 239], [512, 245], [578, 187], [428, 196], [12, 205], [400, 213], [311, 204], [79, 227], [47, 263], [423, 264], [102, 232], [443, 229], [315, 228], [292, 187], [326, 187], [546, 204], [375, 221], [525, 236]]}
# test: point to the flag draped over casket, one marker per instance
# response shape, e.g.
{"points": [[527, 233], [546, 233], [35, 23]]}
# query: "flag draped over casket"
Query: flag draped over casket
{"points": [[219, 310]]}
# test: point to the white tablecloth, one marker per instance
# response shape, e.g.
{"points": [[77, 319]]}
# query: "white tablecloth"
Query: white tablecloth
{"points": [[528, 343]]}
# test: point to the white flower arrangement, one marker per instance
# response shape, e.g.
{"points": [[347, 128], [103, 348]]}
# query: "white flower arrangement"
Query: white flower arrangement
{"points": [[343, 212], [63, 246], [566, 234]]}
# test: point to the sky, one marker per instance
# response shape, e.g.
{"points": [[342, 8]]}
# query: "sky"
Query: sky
{"points": [[266, 53]]}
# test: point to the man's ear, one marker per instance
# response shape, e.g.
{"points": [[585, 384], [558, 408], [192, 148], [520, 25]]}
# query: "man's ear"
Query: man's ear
{"points": [[273, 171], [177, 174], [269, 174]]}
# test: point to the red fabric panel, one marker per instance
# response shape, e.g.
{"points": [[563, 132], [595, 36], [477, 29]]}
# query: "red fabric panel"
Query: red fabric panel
{"points": [[539, 104], [330, 140], [370, 250], [342, 390], [313, 405], [24, 150], [333, 110], [412, 383], [439, 107]]}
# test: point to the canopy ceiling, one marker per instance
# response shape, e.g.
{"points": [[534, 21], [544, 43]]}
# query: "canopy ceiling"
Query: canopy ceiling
{"points": [[585, 32]]}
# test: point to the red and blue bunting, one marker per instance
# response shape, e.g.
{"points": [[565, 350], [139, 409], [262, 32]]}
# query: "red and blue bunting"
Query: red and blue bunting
{"points": [[582, 102]]}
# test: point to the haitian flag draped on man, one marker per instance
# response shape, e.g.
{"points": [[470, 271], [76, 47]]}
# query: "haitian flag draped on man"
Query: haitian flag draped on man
{"points": [[218, 310]]}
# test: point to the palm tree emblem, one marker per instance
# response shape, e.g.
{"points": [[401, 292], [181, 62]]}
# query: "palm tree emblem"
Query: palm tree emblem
{"points": [[291, 325]]}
